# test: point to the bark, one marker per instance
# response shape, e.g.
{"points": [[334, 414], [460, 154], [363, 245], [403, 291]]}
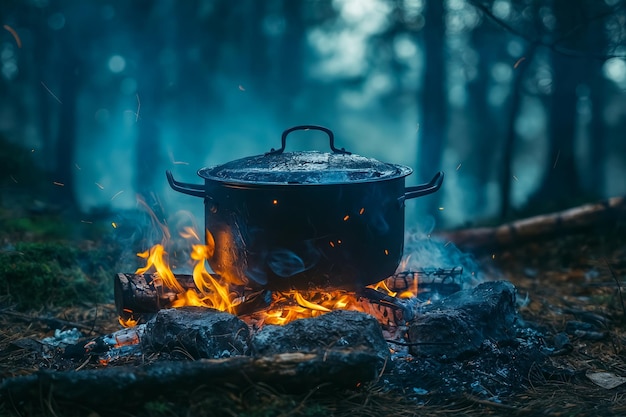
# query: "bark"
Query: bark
{"points": [[141, 296], [291, 372], [571, 220]]}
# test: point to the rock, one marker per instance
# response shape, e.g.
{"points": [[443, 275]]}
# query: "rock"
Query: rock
{"points": [[338, 329], [459, 324], [201, 332]]}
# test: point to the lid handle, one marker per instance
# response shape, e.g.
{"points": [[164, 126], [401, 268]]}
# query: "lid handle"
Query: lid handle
{"points": [[329, 132]]}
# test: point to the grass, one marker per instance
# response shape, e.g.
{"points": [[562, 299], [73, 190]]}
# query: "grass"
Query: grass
{"points": [[42, 274]]}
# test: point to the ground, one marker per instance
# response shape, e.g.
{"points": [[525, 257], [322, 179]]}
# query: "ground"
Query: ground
{"points": [[569, 288]]}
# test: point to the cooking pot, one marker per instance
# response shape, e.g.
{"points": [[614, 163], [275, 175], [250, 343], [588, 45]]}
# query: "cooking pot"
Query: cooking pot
{"points": [[305, 220]]}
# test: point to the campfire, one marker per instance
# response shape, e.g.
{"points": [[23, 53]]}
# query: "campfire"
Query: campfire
{"points": [[301, 280], [155, 286]]}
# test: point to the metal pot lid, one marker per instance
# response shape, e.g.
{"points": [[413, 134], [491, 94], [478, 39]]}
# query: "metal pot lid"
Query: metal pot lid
{"points": [[310, 167]]}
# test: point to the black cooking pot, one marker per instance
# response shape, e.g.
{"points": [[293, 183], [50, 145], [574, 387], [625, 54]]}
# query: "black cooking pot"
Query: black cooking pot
{"points": [[304, 220]]}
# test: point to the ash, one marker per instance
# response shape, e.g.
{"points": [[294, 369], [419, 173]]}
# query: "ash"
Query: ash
{"points": [[471, 341]]}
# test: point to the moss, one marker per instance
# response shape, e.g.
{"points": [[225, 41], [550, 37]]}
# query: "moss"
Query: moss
{"points": [[43, 274]]}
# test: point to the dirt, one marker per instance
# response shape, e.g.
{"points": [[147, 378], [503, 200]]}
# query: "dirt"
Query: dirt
{"points": [[569, 291]]}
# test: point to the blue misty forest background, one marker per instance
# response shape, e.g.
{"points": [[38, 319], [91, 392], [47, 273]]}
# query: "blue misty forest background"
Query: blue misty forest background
{"points": [[520, 103]]}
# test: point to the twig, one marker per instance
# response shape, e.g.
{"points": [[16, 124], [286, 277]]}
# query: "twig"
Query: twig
{"points": [[496, 405], [619, 287], [395, 342], [554, 45]]}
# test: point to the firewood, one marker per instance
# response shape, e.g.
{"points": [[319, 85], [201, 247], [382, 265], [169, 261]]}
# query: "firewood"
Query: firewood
{"points": [[140, 296], [546, 225], [137, 295], [291, 372]]}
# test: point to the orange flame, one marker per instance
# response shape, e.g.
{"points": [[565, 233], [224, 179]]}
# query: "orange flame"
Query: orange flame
{"points": [[215, 291]]}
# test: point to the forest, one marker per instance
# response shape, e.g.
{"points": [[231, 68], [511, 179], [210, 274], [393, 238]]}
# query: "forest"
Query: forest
{"points": [[519, 258], [520, 103]]}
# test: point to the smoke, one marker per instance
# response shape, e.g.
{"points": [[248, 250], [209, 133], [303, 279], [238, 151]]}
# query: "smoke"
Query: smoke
{"points": [[423, 250], [137, 230]]}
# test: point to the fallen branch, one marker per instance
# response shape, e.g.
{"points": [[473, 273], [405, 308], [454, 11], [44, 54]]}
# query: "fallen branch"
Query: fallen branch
{"points": [[571, 220], [291, 372]]}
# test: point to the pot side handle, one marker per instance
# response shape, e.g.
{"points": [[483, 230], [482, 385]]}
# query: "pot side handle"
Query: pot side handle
{"points": [[195, 190], [422, 189]]}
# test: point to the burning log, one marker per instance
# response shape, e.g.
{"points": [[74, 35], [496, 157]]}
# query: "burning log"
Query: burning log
{"points": [[571, 220], [139, 296], [144, 294]]}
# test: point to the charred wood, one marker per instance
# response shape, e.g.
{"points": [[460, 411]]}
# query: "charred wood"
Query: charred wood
{"points": [[338, 329], [547, 225], [460, 324], [291, 372], [140, 296]]}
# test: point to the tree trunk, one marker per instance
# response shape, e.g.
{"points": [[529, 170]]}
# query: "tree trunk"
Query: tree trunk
{"points": [[432, 132], [561, 182], [509, 143], [289, 81], [483, 127], [66, 134]]}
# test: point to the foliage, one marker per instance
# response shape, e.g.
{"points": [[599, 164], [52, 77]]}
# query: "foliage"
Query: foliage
{"points": [[34, 275]]}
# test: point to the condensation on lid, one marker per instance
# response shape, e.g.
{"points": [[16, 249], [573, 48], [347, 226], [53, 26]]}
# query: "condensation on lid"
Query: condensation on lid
{"points": [[304, 168]]}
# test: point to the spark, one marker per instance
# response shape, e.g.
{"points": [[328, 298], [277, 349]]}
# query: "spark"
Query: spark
{"points": [[362, 210], [241, 88], [458, 166], [117, 194], [515, 178], [114, 225], [100, 186], [138, 107], [51, 93], [18, 41], [493, 256], [32, 150], [60, 184], [556, 160], [346, 217], [519, 61], [13, 178], [78, 167], [440, 208], [447, 243]]}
